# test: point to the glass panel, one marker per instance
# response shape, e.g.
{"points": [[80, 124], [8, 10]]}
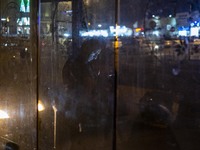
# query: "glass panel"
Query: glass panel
{"points": [[157, 90], [76, 75], [18, 76], [158, 103]]}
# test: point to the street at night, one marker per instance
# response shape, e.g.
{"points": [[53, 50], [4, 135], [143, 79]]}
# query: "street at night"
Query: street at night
{"points": [[93, 75]]}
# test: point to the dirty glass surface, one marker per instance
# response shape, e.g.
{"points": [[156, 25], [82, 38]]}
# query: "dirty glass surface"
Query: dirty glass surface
{"points": [[76, 75], [104, 74], [158, 103], [17, 76], [155, 84]]}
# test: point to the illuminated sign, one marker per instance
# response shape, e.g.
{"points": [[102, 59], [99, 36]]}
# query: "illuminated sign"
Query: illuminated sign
{"points": [[194, 31], [25, 6]]}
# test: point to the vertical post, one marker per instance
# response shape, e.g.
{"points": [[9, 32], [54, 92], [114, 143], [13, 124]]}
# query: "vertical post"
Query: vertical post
{"points": [[54, 53], [54, 4], [116, 69], [0, 17], [34, 41], [75, 26], [145, 16], [54, 126]]}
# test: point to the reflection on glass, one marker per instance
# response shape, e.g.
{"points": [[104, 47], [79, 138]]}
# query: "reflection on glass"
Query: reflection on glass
{"points": [[158, 74], [40, 106], [17, 74], [3, 114]]}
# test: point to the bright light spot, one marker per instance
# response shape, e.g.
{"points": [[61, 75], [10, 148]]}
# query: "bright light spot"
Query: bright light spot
{"points": [[99, 25], [40, 106], [69, 11], [121, 31], [156, 47], [138, 29], [3, 114], [192, 24], [194, 31], [66, 34], [93, 33], [3, 19], [182, 33], [170, 16]]}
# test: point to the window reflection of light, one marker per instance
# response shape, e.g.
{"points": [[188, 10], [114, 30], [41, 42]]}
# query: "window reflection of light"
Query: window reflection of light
{"points": [[120, 30], [183, 33], [3, 19], [92, 33], [3, 114], [40, 106], [194, 31], [66, 34]]}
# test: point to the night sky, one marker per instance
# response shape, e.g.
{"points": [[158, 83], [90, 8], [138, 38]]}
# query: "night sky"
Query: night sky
{"points": [[132, 11]]}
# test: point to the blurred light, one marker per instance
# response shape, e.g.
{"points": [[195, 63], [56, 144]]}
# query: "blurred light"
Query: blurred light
{"points": [[40, 106], [3, 19], [156, 47], [117, 44], [68, 11], [66, 34], [3, 115], [138, 29], [22, 6], [93, 33], [99, 25], [28, 6], [129, 32], [121, 31], [194, 31], [170, 16], [182, 33], [156, 33]]}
